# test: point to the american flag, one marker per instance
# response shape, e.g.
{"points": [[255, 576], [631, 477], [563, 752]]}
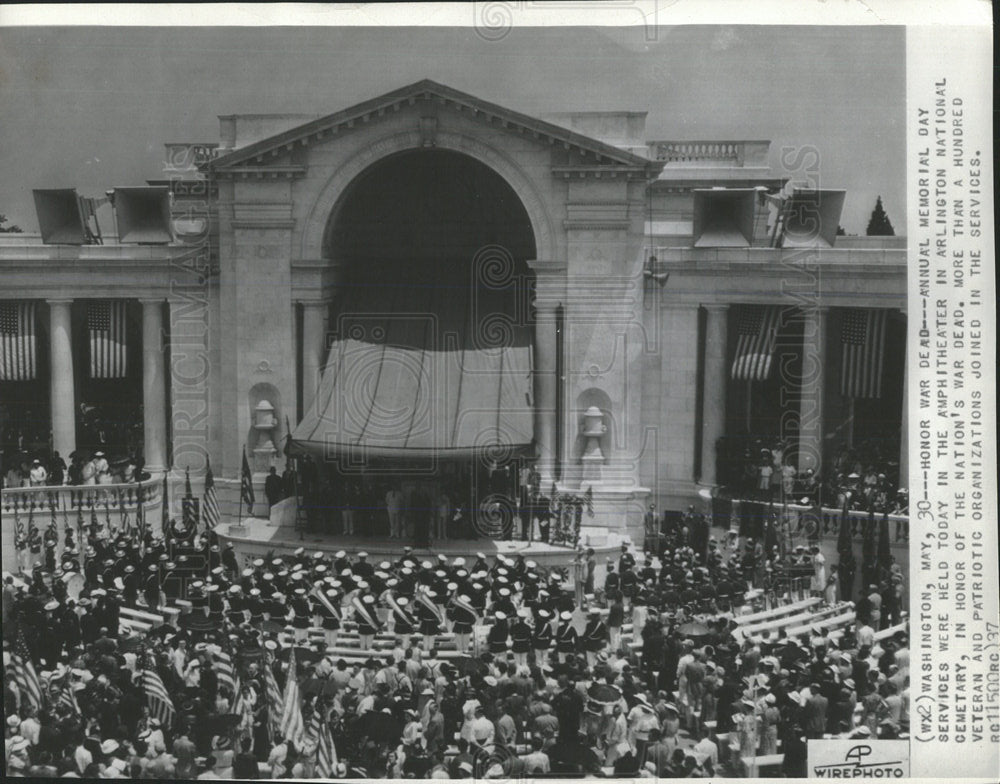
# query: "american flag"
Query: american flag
{"points": [[62, 694], [292, 726], [210, 505], [106, 330], [157, 698], [862, 339], [224, 670], [17, 341], [273, 700], [757, 335], [24, 673], [246, 484], [319, 737], [326, 751]]}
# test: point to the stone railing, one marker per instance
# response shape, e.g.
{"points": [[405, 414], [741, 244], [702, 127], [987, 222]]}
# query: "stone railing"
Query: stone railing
{"points": [[710, 153], [830, 520], [74, 498], [69, 506]]}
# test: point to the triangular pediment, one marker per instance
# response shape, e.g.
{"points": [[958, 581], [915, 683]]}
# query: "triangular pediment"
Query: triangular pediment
{"points": [[489, 113]]}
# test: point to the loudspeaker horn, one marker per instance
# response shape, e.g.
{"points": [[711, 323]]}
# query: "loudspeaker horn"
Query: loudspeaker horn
{"points": [[809, 218], [142, 214], [724, 217], [61, 218]]}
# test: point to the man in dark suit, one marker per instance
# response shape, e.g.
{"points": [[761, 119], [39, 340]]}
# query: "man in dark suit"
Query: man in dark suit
{"points": [[813, 716]]}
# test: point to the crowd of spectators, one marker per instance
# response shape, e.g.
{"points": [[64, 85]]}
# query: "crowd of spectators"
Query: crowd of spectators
{"points": [[555, 684]]}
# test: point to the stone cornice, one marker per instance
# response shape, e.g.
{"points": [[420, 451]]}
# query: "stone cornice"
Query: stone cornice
{"points": [[431, 92]]}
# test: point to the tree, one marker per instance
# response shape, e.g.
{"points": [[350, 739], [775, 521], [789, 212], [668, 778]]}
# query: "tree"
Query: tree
{"points": [[878, 224], [12, 229], [840, 231]]}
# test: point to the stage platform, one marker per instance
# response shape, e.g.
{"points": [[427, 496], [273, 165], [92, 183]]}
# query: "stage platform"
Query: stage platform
{"points": [[255, 537]]}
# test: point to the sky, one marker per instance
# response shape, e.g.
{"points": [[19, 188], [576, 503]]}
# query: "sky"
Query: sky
{"points": [[92, 107]]}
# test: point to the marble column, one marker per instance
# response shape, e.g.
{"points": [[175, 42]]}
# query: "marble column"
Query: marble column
{"points": [[546, 388], [814, 372], [314, 325], [61, 384], [154, 399], [714, 389]]}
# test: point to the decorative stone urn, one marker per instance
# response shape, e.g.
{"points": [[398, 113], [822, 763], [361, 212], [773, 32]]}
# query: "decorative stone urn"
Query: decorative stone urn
{"points": [[594, 429], [265, 422]]}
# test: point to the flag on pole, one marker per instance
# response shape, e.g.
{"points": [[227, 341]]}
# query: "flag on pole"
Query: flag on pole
{"points": [[157, 698], [24, 672], [246, 484], [210, 505], [273, 700], [165, 509], [190, 510], [66, 697], [17, 341], [757, 336], [292, 726], [106, 331], [319, 742], [224, 670], [862, 339], [326, 752]]}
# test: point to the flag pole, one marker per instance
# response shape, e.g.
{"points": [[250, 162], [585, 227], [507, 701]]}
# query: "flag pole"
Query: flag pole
{"points": [[239, 516]]}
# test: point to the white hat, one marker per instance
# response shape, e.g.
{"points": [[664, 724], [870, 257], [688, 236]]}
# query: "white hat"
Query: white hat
{"points": [[566, 615], [500, 615], [109, 746], [362, 554], [340, 554]]}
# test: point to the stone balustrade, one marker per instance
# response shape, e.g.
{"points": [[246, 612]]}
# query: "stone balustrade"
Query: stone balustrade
{"points": [[65, 506], [712, 153]]}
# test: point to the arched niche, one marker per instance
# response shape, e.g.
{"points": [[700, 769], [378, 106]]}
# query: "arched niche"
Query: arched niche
{"points": [[599, 399]]}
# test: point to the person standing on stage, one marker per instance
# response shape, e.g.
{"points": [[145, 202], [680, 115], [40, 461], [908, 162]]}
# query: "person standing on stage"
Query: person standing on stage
{"points": [[272, 487], [394, 506]]}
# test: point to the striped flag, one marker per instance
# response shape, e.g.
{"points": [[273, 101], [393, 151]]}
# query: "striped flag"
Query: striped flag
{"points": [[165, 508], [157, 698], [224, 670], [862, 339], [757, 336], [273, 700], [17, 341], [326, 754], [246, 484], [292, 726], [210, 503], [319, 741], [64, 696], [24, 673], [106, 331]]}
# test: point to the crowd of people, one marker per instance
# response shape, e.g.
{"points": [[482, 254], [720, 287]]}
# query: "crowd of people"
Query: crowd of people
{"points": [[86, 467], [860, 477], [544, 681]]}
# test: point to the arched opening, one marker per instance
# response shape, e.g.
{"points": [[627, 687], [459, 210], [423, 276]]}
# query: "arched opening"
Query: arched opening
{"points": [[427, 386]]}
